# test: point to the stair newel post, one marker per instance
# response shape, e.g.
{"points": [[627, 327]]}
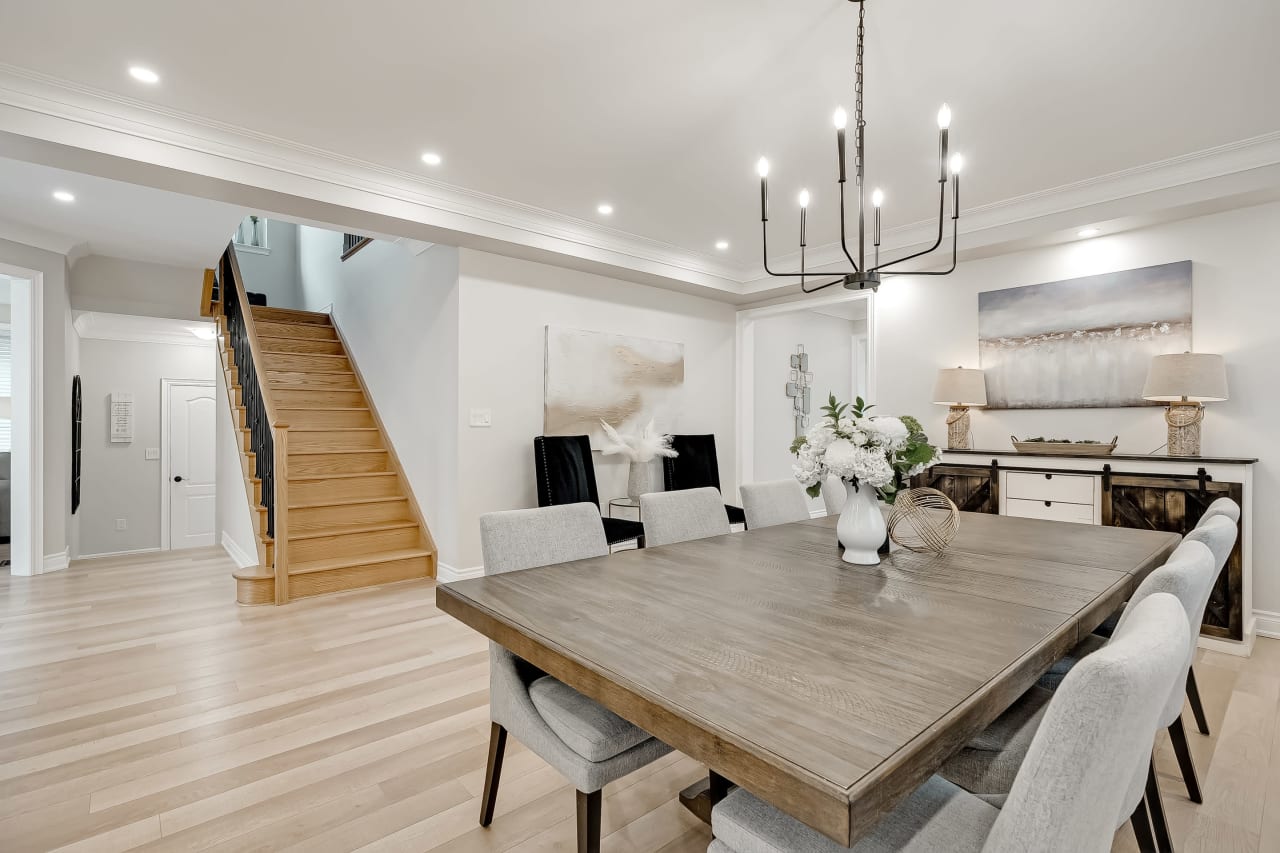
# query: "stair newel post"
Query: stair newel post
{"points": [[280, 437]]}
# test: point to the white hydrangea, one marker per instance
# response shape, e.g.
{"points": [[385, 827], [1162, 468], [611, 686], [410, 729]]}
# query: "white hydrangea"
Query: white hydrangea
{"points": [[888, 432], [867, 465]]}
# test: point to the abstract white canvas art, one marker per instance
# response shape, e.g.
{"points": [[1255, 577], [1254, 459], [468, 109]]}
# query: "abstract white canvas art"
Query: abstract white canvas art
{"points": [[626, 381], [1084, 342]]}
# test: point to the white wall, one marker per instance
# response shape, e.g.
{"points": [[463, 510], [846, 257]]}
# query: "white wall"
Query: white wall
{"points": [[923, 324], [234, 518], [59, 364], [116, 480], [398, 312], [505, 306], [275, 273], [118, 286], [829, 343]]}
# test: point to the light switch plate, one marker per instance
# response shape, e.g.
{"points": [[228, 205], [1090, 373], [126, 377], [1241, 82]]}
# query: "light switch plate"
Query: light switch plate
{"points": [[121, 524], [481, 417], [153, 453]]}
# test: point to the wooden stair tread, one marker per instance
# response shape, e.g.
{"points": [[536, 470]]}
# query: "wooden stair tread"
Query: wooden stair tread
{"points": [[306, 452], [349, 529], [347, 501], [334, 428], [323, 409], [295, 478], [331, 563]]}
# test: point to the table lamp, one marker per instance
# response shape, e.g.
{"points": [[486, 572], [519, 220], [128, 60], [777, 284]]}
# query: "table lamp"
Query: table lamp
{"points": [[1185, 381], [959, 388]]}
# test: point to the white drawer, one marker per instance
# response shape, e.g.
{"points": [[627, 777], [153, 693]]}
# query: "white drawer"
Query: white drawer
{"points": [[1050, 510], [1068, 488]]}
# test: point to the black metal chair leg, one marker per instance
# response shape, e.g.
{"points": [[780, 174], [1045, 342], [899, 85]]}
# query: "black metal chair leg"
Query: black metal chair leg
{"points": [[1141, 821], [589, 822], [1197, 707], [492, 773], [1178, 737], [1155, 805]]}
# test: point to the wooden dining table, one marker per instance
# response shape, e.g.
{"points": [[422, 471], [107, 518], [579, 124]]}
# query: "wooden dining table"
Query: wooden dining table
{"points": [[827, 689]]}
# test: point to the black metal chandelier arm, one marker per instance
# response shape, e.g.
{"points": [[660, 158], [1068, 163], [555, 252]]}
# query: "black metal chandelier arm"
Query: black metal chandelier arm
{"points": [[844, 245], [819, 287], [955, 254], [764, 241], [942, 219]]}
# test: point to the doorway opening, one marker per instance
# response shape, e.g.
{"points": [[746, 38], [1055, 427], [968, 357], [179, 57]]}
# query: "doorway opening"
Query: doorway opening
{"points": [[21, 442], [791, 359]]}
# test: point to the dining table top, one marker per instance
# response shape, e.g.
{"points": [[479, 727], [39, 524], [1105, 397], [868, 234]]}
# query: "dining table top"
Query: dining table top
{"points": [[828, 689]]}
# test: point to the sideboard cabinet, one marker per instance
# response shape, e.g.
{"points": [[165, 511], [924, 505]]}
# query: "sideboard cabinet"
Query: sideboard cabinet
{"points": [[1149, 492]]}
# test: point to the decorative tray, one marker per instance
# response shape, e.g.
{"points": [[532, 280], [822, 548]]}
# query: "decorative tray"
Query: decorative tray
{"points": [[1065, 448]]}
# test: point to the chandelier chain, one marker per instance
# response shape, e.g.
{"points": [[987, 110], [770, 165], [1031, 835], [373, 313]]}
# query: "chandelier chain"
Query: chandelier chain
{"points": [[858, 122]]}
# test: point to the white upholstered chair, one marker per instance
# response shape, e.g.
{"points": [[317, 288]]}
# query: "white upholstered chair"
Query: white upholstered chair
{"points": [[587, 743], [1222, 506], [680, 516], [1082, 778], [774, 502], [989, 764]]}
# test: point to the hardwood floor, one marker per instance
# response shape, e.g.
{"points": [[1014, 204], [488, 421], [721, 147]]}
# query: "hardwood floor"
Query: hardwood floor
{"points": [[140, 708]]}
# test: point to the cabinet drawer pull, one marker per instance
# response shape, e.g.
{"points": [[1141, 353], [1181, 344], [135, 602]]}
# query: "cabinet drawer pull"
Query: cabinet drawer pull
{"points": [[1048, 476], [1048, 503]]}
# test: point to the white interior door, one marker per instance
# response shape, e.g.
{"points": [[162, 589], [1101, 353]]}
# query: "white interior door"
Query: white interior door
{"points": [[191, 449]]}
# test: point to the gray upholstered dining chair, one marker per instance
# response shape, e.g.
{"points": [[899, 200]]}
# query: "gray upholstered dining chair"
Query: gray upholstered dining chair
{"points": [[671, 517], [833, 495], [589, 744], [774, 502], [988, 765], [1081, 780], [1222, 506]]}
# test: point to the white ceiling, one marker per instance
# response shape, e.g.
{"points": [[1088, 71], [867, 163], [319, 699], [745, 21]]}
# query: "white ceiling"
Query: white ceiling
{"points": [[661, 108], [112, 218]]}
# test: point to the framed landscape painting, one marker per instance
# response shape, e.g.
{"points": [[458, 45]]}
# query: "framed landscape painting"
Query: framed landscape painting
{"points": [[1084, 342]]}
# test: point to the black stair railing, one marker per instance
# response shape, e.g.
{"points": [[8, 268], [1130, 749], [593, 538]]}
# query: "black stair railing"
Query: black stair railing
{"points": [[257, 416]]}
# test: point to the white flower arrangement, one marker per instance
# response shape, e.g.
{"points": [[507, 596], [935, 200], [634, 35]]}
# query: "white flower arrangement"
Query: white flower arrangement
{"points": [[881, 452], [644, 446]]}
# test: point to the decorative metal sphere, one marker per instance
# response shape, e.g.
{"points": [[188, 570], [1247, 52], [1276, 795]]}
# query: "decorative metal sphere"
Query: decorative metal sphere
{"points": [[923, 520]]}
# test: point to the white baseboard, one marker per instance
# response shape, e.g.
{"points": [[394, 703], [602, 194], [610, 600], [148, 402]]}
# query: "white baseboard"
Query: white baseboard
{"points": [[448, 574], [817, 513], [236, 553], [1268, 622], [1242, 649], [55, 562], [117, 553]]}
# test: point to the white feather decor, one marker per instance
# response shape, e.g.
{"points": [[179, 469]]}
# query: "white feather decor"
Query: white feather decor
{"points": [[644, 446]]}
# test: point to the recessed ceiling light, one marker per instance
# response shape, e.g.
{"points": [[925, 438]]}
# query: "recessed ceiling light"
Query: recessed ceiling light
{"points": [[64, 196], [604, 209], [722, 245], [1087, 232], [431, 158], [143, 75]]}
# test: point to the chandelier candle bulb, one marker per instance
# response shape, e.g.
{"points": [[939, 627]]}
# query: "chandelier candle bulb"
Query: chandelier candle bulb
{"points": [[841, 119], [762, 167]]}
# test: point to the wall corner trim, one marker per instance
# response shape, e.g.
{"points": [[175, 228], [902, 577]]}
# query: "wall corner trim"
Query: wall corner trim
{"points": [[1268, 623], [236, 553], [56, 562]]}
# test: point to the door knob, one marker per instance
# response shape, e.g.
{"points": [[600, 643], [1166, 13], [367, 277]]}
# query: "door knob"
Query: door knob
{"points": [[177, 479]]}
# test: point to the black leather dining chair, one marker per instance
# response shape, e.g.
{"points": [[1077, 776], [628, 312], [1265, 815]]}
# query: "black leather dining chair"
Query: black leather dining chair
{"points": [[566, 475], [695, 467]]}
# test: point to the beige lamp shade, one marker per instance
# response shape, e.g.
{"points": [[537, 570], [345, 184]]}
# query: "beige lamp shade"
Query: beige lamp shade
{"points": [[1197, 376], [957, 386]]}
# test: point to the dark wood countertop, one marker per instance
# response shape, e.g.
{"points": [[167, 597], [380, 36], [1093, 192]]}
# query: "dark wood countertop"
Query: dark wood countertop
{"points": [[1126, 457]]}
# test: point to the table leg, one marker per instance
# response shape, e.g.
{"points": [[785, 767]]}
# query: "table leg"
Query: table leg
{"points": [[702, 796]]}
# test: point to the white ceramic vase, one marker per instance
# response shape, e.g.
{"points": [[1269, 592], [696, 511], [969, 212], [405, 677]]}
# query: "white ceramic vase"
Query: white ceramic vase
{"points": [[861, 528]]}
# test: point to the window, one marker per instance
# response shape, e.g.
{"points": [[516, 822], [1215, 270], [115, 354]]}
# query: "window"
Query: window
{"points": [[251, 236], [6, 390]]}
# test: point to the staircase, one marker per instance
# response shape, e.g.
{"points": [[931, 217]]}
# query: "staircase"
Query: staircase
{"points": [[341, 514]]}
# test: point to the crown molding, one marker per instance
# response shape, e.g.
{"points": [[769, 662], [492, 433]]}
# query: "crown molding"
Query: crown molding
{"points": [[80, 116], [175, 143], [102, 326]]}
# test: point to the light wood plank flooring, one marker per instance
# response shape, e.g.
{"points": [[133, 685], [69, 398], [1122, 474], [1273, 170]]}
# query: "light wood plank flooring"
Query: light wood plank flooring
{"points": [[140, 708]]}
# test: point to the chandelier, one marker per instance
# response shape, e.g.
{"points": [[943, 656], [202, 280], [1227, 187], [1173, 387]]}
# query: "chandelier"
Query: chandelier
{"points": [[863, 274]]}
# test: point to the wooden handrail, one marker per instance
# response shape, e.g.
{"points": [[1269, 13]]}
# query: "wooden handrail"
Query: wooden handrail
{"points": [[255, 348], [280, 443]]}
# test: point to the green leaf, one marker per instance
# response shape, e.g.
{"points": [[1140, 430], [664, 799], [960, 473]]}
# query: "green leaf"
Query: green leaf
{"points": [[814, 491], [798, 444]]}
